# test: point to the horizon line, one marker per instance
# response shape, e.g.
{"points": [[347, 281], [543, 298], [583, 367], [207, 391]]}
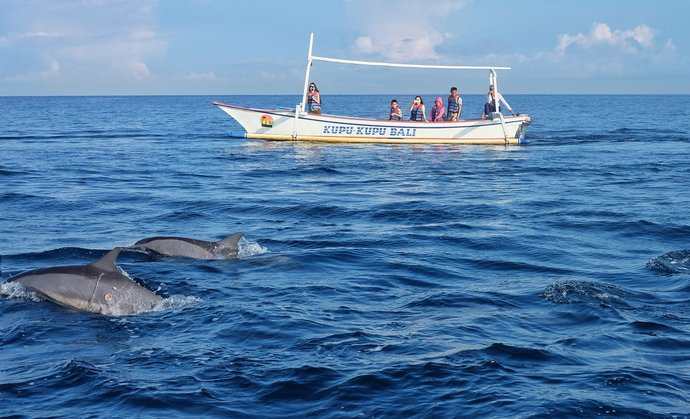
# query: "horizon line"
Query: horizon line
{"points": [[337, 94]]}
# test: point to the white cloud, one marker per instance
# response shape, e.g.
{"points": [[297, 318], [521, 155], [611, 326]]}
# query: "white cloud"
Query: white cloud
{"points": [[207, 76], [403, 30], [98, 40], [607, 52], [138, 70], [629, 40], [52, 69], [122, 55], [507, 59], [15, 38], [365, 44], [272, 75], [669, 46]]}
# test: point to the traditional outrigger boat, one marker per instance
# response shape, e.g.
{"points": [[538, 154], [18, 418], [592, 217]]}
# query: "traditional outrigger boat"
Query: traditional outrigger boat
{"points": [[298, 125]]}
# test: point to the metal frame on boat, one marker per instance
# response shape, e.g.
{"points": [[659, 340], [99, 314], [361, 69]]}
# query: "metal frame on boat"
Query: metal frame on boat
{"points": [[298, 125]]}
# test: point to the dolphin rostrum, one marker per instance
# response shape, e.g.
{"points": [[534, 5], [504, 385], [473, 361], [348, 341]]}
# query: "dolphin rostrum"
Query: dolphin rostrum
{"points": [[192, 248], [99, 287]]}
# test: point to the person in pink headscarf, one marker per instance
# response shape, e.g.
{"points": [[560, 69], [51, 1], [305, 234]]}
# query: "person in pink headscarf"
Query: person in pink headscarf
{"points": [[437, 111]]}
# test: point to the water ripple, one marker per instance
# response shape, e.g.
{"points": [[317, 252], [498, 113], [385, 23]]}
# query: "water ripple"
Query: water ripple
{"points": [[677, 261]]}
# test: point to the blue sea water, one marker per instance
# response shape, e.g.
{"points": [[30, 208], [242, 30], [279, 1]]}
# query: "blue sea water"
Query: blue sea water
{"points": [[543, 280]]}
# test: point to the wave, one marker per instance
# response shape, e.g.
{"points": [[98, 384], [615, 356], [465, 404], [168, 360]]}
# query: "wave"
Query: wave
{"points": [[444, 300], [303, 383], [506, 265], [343, 342], [8, 196], [651, 327], [638, 228], [590, 408], [308, 171], [586, 292], [6, 172], [673, 262], [619, 135], [94, 135], [112, 390], [524, 354]]}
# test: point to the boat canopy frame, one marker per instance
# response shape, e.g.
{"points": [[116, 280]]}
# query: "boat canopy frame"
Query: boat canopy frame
{"points": [[311, 58]]}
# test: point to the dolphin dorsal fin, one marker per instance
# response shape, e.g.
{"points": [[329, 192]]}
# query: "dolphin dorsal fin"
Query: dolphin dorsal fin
{"points": [[230, 241], [107, 262]]}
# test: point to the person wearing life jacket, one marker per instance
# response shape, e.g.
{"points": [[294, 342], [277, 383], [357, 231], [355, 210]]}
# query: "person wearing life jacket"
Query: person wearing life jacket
{"points": [[436, 114], [395, 114], [314, 100], [417, 110], [492, 98], [454, 105]]}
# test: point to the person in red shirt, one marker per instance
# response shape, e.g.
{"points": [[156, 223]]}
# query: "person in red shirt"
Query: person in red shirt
{"points": [[314, 100]]}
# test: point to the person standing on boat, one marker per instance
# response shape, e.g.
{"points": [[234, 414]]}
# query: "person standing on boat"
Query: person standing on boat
{"points": [[417, 110], [437, 111], [491, 99], [314, 100], [454, 105], [395, 113]]}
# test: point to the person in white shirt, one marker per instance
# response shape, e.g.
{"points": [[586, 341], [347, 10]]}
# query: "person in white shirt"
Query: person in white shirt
{"points": [[491, 99]]}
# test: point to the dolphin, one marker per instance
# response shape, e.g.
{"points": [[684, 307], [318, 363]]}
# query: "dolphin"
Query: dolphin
{"points": [[99, 287], [192, 248]]}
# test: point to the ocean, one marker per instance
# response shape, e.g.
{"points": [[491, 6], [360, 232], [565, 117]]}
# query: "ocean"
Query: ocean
{"points": [[550, 279]]}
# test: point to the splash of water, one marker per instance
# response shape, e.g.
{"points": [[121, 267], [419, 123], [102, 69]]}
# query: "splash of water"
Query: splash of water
{"points": [[17, 290], [176, 302], [247, 249]]}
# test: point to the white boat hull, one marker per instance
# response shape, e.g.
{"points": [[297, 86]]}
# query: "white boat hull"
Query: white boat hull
{"points": [[282, 125]]}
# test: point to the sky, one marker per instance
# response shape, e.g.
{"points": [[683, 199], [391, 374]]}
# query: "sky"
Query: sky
{"points": [[224, 47]]}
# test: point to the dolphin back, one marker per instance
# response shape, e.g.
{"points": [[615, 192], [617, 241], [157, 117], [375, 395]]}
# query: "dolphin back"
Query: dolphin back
{"points": [[178, 246], [67, 286], [192, 248], [99, 287]]}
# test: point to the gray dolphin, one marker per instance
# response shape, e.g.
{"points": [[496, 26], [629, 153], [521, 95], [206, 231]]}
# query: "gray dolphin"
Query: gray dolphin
{"points": [[99, 287], [192, 248]]}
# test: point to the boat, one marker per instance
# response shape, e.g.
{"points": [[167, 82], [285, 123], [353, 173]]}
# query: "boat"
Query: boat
{"points": [[299, 125]]}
